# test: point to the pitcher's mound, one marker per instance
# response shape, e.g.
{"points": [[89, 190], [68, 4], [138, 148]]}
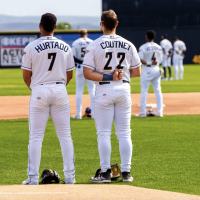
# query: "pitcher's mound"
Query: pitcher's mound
{"points": [[86, 192]]}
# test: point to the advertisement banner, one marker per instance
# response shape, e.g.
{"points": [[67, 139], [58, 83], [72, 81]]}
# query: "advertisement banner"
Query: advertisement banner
{"points": [[12, 48]]}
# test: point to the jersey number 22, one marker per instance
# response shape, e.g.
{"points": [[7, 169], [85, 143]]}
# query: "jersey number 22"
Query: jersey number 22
{"points": [[109, 55]]}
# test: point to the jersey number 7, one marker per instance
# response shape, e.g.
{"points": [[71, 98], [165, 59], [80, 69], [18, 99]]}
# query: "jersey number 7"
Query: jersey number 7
{"points": [[109, 55], [52, 56]]}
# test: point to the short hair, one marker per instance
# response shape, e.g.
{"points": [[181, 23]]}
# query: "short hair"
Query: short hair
{"points": [[165, 36], [48, 22], [151, 34], [83, 32], [175, 38], [109, 18]]}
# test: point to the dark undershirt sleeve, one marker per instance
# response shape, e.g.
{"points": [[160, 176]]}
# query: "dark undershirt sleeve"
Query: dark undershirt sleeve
{"points": [[78, 60]]}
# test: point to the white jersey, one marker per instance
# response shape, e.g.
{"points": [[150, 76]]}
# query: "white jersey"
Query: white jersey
{"points": [[179, 46], [49, 59], [151, 51], [111, 52], [79, 47], [166, 45]]}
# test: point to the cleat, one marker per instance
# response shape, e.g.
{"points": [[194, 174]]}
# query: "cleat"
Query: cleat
{"points": [[126, 177], [171, 79], [141, 115], [29, 182], [102, 178], [77, 117], [159, 115]]}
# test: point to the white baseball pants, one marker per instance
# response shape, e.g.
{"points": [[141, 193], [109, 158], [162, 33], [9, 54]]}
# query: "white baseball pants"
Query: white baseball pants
{"points": [[49, 99], [178, 64], [113, 102], [80, 82], [166, 61], [151, 75]]}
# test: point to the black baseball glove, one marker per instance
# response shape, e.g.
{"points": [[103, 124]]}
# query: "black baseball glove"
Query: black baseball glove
{"points": [[151, 113], [49, 175]]}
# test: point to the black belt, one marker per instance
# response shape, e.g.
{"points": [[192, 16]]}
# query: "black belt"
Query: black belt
{"points": [[102, 83], [56, 83], [148, 65]]}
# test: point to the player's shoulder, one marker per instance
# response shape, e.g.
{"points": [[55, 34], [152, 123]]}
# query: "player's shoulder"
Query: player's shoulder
{"points": [[31, 45], [76, 41]]}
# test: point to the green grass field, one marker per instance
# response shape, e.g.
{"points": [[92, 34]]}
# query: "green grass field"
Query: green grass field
{"points": [[11, 82], [165, 152]]}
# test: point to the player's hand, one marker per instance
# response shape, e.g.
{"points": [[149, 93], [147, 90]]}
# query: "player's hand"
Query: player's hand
{"points": [[154, 62], [118, 75], [183, 55]]}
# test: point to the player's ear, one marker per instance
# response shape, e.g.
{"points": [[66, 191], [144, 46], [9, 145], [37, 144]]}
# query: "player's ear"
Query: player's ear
{"points": [[117, 24], [40, 25], [55, 28]]}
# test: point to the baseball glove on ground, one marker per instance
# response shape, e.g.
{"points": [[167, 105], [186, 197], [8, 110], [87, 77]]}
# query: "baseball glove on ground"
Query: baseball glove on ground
{"points": [[151, 113], [87, 112], [115, 172], [49, 175]]}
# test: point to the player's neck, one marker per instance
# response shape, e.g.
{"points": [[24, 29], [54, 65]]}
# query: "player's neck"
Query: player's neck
{"points": [[43, 34], [150, 40], [109, 32]]}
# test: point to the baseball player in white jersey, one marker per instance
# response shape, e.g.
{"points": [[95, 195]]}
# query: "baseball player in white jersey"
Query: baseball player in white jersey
{"points": [[110, 61], [178, 56], [48, 65], [167, 50], [151, 55], [78, 48]]}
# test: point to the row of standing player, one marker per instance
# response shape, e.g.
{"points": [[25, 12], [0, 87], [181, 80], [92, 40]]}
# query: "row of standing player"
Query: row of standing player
{"points": [[48, 66], [150, 49], [177, 52]]}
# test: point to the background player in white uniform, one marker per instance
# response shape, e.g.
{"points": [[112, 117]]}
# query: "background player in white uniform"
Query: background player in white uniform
{"points": [[167, 49], [47, 68], [178, 56], [110, 61], [78, 48], [151, 55]]}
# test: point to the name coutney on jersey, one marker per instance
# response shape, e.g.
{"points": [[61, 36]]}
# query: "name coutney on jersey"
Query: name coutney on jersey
{"points": [[49, 59], [150, 52], [79, 47], [111, 52]]}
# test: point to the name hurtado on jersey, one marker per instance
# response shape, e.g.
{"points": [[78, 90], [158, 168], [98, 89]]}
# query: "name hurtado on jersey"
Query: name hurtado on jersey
{"points": [[51, 45]]}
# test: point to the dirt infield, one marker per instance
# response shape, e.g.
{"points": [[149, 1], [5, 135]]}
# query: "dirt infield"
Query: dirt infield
{"points": [[14, 107], [86, 192]]}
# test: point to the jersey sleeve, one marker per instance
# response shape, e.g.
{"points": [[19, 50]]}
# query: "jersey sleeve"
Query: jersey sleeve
{"points": [[184, 47], [141, 53], [89, 58], [74, 49], [26, 60], [70, 61], [159, 55], [135, 62]]}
